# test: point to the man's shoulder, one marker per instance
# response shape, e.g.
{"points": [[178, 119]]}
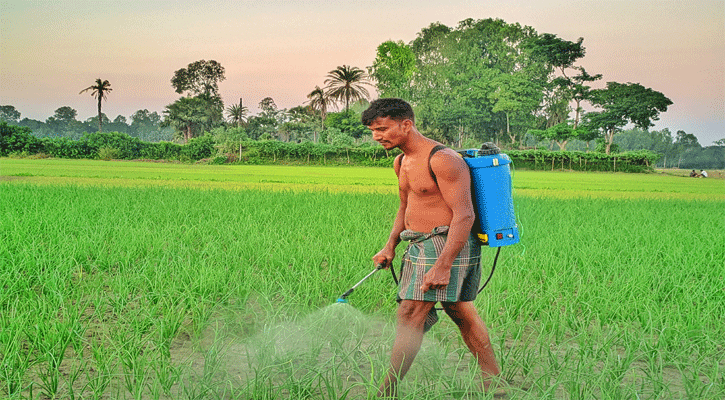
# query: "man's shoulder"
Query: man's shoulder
{"points": [[445, 159]]}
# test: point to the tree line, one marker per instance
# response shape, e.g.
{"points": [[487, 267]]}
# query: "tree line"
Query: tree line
{"points": [[483, 80], [142, 124], [16, 141]]}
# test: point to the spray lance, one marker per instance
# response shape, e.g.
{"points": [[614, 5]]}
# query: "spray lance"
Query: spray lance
{"points": [[343, 298]]}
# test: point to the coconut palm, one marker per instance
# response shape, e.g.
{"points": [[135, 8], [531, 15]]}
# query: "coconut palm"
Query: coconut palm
{"points": [[237, 113], [319, 101], [100, 91], [347, 83]]}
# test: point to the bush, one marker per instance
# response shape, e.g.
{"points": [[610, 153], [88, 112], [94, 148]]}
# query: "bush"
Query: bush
{"points": [[63, 147], [198, 148], [128, 147], [160, 151], [634, 161], [17, 139], [227, 140]]}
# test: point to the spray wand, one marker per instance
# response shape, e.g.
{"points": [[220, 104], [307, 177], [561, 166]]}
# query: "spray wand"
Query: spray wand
{"points": [[343, 298]]}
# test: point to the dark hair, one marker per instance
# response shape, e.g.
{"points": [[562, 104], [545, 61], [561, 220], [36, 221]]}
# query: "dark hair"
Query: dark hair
{"points": [[395, 109]]}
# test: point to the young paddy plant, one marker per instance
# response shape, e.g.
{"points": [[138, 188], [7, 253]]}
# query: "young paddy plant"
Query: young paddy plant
{"points": [[16, 353], [52, 336], [103, 361]]}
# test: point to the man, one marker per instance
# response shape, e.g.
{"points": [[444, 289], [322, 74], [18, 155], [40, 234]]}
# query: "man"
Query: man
{"points": [[442, 263]]}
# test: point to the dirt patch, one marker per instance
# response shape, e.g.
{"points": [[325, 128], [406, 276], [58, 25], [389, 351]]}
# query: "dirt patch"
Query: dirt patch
{"points": [[12, 178], [685, 173]]}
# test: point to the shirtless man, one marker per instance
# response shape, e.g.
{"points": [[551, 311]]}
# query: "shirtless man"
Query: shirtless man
{"points": [[442, 263]]}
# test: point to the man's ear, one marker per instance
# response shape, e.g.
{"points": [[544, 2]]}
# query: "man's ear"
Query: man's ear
{"points": [[407, 125]]}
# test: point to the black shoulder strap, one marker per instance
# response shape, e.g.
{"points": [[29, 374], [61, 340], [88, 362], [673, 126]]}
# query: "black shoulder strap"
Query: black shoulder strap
{"points": [[400, 162], [434, 150]]}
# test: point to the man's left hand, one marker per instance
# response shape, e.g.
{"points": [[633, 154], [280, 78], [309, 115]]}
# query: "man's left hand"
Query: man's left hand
{"points": [[435, 278]]}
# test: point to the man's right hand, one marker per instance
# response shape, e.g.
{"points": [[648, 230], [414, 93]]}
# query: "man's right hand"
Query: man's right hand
{"points": [[384, 257]]}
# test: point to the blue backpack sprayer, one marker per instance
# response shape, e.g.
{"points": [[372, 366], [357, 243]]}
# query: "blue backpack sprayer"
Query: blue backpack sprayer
{"points": [[491, 186]]}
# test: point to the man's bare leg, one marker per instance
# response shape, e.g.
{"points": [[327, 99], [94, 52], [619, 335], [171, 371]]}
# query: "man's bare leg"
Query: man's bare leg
{"points": [[476, 337], [408, 338]]}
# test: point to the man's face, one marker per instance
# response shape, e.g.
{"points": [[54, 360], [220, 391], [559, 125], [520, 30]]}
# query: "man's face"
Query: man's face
{"points": [[390, 133]]}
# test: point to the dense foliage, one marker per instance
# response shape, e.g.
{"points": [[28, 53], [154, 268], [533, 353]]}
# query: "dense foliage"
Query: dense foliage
{"points": [[142, 124], [107, 145], [16, 140]]}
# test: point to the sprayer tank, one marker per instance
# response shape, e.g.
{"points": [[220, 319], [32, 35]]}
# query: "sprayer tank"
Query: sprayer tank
{"points": [[491, 183]]}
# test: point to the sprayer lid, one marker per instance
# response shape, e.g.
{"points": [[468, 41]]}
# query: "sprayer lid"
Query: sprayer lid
{"points": [[494, 160], [488, 149]]}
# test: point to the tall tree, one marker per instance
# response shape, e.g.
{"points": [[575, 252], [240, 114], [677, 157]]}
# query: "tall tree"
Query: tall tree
{"points": [[319, 101], [346, 83], [100, 91], [268, 106], [393, 69], [199, 77], [581, 91], [64, 123], [9, 114], [559, 53], [563, 88], [516, 96], [462, 73], [625, 103]]}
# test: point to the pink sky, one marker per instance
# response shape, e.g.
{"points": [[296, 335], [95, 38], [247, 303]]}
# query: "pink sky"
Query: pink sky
{"points": [[50, 50]]}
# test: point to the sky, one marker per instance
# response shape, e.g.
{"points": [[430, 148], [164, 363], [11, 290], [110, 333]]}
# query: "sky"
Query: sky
{"points": [[51, 50]]}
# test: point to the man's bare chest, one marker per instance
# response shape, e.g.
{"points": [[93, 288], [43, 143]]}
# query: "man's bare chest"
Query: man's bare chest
{"points": [[415, 177]]}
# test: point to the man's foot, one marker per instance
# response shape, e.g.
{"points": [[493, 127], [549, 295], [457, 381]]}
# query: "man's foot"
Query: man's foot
{"points": [[498, 393], [497, 386]]}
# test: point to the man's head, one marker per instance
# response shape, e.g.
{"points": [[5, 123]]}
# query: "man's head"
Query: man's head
{"points": [[390, 121], [395, 109]]}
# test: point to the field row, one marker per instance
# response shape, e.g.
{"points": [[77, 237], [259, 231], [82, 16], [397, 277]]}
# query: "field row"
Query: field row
{"points": [[343, 179]]}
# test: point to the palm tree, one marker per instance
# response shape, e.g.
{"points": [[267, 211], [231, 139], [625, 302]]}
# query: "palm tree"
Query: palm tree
{"points": [[100, 91], [347, 83], [319, 100], [237, 113], [188, 115]]}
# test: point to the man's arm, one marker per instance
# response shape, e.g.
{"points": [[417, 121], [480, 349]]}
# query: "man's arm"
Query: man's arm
{"points": [[387, 254], [454, 182]]}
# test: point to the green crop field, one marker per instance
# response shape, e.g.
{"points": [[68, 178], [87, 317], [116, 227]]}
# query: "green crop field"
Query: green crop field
{"points": [[170, 281]]}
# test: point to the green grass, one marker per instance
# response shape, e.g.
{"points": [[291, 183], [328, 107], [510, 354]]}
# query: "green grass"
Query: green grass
{"points": [[139, 291], [345, 179]]}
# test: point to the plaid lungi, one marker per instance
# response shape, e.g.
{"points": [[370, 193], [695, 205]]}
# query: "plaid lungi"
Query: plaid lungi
{"points": [[422, 253]]}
